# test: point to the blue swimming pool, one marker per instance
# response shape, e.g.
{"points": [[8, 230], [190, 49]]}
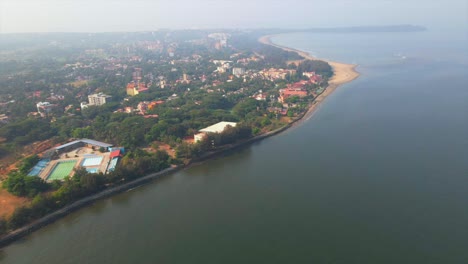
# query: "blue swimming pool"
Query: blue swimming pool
{"points": [[92, 170], [91, 161]]}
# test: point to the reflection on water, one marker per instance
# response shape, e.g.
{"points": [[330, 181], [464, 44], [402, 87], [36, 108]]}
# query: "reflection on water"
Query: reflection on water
{"points": [[220, 161], [375, 176]]}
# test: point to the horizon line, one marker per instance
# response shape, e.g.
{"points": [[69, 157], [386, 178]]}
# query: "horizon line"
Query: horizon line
{"points": [[414, 27]]}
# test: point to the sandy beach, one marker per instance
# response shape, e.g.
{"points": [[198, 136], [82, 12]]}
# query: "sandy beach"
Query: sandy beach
{"points": [[342, 73]]}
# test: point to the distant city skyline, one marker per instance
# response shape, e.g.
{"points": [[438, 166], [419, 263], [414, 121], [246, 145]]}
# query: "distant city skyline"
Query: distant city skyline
{"points": [[144, 15]]}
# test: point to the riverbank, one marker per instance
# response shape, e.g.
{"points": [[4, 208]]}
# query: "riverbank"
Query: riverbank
{"points": [[343, 73], [52, 217]]}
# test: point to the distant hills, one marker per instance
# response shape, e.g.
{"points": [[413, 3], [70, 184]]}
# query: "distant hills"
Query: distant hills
{"points": [[354, 29], [359, 29]]}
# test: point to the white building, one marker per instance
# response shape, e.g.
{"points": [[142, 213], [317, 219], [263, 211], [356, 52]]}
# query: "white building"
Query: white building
{"points": [[238, 71], [308, 74], [44, 107], [216, 128], [162, 84], [99, 99], [83, 105]]}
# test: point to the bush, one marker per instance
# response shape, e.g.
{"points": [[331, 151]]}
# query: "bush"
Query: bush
{"points": [[28, 163], [20, 184]]}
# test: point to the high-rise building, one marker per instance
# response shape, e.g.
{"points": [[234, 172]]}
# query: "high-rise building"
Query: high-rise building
{"points": [[99, 99], [137, 74]]}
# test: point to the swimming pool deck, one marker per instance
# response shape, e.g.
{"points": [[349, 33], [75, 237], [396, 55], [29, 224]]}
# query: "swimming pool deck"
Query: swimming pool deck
{"points": [[78, 155]]}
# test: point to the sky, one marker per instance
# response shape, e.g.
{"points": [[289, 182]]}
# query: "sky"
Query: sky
{"points": [[145, 15]]}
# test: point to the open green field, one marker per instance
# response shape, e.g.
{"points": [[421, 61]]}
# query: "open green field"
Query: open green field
{"points": [[61, 170]]}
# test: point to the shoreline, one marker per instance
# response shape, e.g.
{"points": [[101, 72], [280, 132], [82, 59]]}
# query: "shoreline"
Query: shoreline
{"points": [[50, 218], [343, 73]]}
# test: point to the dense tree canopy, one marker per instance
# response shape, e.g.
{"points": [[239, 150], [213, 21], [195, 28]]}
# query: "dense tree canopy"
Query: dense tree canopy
{"points": [[84, 65], [317, 66], [27, 131], [22, 185]]}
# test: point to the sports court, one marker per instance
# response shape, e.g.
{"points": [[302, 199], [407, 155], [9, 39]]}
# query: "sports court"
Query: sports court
{"points": [[61, 170], [38, 168], [112, 165]]}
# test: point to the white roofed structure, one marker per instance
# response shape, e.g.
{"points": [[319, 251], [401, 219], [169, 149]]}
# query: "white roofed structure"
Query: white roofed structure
{"points": [[218, 128]]}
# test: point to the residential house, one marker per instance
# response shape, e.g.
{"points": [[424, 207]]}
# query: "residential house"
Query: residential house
{"points": [[135, 88]]}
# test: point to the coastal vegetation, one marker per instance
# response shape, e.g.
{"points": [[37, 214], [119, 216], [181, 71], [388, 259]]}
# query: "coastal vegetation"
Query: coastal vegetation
{"points": [[194, 79]]}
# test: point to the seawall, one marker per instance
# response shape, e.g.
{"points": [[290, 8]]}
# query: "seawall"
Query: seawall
{"points": [[52, 217]]}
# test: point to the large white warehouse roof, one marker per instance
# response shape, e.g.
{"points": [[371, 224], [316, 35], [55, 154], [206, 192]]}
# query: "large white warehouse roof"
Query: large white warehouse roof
{"points": [[218, 128]]}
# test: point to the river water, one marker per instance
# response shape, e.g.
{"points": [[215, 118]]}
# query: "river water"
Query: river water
{"points": [[379, 174]]}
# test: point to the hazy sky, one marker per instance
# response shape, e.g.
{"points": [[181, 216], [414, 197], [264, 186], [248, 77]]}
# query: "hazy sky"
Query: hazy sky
{"points": [[141, 15]]}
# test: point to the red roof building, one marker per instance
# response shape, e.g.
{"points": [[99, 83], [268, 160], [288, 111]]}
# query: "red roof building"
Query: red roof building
{"points": [[136, 88], [286, 93], [316, 79], [115, 153], [153, 104]]}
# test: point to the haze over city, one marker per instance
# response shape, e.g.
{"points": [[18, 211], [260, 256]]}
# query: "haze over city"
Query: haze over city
{"points": [[144, 15], [233, 131]]}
